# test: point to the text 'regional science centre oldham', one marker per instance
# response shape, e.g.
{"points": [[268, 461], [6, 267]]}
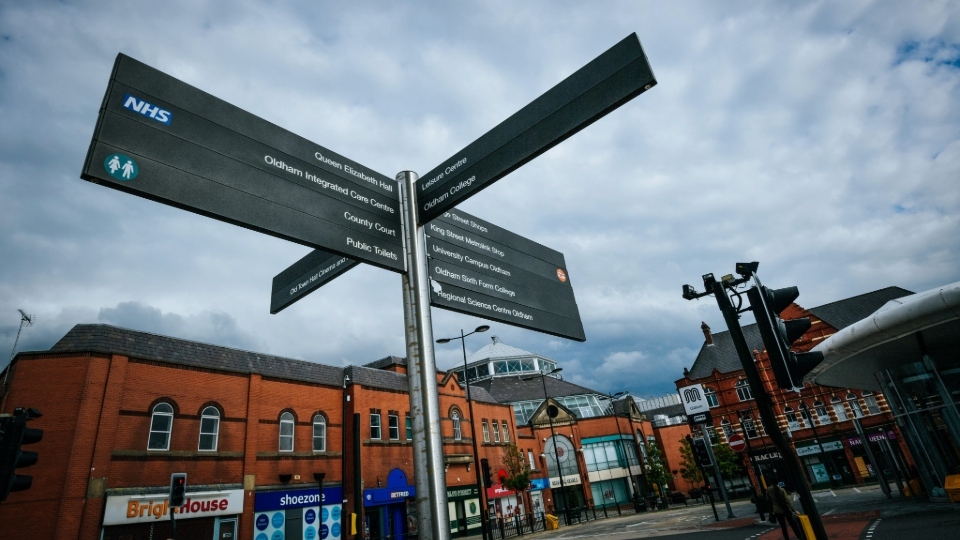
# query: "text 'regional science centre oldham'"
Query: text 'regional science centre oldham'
{"points": [[162, 139], [610, 80], [480, 269]]}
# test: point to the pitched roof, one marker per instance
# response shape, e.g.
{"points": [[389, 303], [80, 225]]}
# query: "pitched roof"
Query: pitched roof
{"points": [[722, 355], [108, 339], [497, 349], [514, 389], [387, 362]]}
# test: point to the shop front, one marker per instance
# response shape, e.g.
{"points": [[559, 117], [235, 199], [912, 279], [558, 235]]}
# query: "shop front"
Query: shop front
{"points": [[884, 449], [391, 511], [772, 467], [537, 487], [464, 506], [298, 514], [502, 502], [825, 463], [207, 514]]}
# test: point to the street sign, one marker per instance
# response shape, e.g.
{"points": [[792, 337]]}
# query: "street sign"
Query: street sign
{"points": [[610, 80], [164, 140], [481, 269], [700, 418], [736, 442], [306, 275], [693, 398]]}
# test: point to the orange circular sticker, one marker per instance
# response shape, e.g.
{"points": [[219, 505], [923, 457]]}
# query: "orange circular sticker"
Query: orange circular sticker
{"points": [[561, 275]]}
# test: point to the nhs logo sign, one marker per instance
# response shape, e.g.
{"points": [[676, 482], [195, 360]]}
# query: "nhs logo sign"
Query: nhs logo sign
{"points": [[160, 115]]}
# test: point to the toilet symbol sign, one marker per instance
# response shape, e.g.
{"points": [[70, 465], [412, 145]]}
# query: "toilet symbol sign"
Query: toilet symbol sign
{"points": [[121, 167]]}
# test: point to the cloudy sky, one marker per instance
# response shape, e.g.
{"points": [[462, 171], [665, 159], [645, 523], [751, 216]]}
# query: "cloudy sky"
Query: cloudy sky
{"points": [[819, 138]]}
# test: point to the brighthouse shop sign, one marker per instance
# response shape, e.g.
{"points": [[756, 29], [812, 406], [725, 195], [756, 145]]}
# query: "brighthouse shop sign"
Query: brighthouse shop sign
{"points": [[124, 509]]}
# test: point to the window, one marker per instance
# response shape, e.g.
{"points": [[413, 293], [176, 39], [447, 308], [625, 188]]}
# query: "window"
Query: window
{"points": [[533, 462], [393, 425], [409, 427], [855, 405], [161, 425], [712, 433], [506, 432], [457, 433], [496, 432], [805, 419], [375, 425], [871, 402], [486, 432], [286, 432], [749, 427], [643, 447], [792, 423], [838, 409], [743, 390], [727, 430], [711, 396], [319, 433], [822, 415], [209, 429]]}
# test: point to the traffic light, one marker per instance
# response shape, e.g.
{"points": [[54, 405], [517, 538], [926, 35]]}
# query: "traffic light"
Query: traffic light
{"points": [[12, 456], [700, 453], [485, 469], [788, 367], [178, 489]]}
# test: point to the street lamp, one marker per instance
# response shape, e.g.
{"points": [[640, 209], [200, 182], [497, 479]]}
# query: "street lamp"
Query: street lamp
{"points": [[473, 429], [636, 484], [553, 435]]}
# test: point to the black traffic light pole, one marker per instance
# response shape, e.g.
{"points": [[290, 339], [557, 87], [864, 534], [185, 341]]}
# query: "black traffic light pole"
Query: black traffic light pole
{"points": [[764, 403], [697, 459]]}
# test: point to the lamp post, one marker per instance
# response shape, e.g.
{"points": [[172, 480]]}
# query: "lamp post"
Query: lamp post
{"points": [[553, 435], [473, 428]]}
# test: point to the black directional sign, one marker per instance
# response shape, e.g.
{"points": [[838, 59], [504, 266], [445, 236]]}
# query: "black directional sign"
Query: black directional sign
{"points": [[167, 141], [609, 81], [306, 275], [481, 269]]}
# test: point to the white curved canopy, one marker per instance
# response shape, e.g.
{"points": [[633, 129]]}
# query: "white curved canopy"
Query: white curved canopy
{"points": [[893, 335]]}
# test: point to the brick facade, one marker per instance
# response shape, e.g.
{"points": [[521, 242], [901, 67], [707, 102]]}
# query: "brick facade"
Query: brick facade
{"points": [[97, 407]]}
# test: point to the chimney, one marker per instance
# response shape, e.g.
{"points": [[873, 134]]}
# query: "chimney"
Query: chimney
{"points": [[707, 336]]}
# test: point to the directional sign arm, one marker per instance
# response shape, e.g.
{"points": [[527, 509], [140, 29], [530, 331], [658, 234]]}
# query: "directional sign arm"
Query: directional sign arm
{"points": [[308, 274], [609, 81]]}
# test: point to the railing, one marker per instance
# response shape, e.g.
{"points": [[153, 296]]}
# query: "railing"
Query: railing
{"points": [[520, 524]]}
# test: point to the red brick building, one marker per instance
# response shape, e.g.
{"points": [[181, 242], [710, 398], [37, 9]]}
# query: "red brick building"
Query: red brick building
{"points": [[818, 419], [122, 410]]}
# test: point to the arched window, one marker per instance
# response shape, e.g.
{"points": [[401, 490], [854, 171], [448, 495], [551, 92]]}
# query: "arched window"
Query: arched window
{"points": [[286, 432], [319, 433], [209, 428], [855, 405], [822, 415], [161, 425], [838, 409], [805, 419], [749, 427], [871, 402], [727, 429], [743, 390], [457, 433], [792, 423]]}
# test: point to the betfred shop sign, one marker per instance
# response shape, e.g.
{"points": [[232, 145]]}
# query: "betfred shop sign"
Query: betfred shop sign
{"points": [[125, 509]]}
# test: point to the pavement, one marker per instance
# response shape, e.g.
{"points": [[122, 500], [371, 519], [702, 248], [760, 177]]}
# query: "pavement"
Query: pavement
{"points": [[856, 513]]}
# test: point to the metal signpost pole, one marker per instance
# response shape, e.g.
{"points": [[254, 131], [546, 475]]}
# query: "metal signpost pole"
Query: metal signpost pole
{"points": [[765, 408], [716, 471], [434, 519], [473, 436]]}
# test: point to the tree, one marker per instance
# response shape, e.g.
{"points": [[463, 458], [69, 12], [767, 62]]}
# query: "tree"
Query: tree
{"points": [[518, 471], [688, 464], [655, 469], [727, 460]]}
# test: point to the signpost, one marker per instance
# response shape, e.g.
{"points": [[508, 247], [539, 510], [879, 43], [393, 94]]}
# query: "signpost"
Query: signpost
{"points": [[481, 269], [164, 140], [694, 399], [610, 80]]}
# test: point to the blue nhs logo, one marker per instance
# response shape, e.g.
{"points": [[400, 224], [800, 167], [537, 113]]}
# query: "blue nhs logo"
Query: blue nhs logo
{"points": [[160, 115]]}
